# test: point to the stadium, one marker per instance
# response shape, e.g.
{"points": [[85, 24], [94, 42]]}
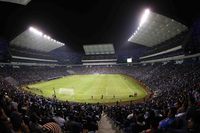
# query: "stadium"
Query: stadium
{"points": [[100, 66]]}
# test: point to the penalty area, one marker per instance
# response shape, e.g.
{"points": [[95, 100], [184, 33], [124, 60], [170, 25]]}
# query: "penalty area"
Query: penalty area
{"points": [[66, 91]]}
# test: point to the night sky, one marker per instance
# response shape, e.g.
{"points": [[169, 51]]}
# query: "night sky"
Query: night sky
{"points": [[89, 21]]}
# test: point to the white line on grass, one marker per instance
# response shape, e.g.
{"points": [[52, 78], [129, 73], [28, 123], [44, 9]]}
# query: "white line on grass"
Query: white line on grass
{"points": [[127, 86]]}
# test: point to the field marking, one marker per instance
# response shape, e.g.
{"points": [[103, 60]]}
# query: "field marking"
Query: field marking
{"points": [[127, 85], [92, 89], [66, 91]]}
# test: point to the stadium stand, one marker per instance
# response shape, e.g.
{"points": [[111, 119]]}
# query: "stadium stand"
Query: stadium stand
{"points": [[180, 92], [168, 66]]}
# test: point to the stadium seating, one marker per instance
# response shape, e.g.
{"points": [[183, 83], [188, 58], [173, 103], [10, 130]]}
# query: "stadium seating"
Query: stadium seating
{"points": [[155, 57], [175, 101]]}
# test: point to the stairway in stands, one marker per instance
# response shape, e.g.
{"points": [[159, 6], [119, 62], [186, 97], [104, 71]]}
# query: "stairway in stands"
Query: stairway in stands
{"points": [[105, 125]]}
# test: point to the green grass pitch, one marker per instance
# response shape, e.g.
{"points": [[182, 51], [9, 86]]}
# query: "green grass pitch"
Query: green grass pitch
{"points": [[102, 88]]}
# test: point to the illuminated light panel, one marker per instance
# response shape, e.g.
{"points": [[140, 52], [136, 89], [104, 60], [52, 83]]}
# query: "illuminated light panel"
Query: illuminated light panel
{"points": [[37, 32], [34, 30], [94, 49], [22, 2], [32, 38], [144, 17], [154, 29], [129, 60]]}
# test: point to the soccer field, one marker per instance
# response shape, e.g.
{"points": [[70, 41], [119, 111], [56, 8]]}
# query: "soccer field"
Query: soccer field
{"points": [[102, 88]]}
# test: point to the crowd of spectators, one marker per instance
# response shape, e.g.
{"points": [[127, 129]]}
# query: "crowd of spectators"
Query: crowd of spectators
{"points": [[21, 111], [173, 108], [29, 74], [175, 104]]}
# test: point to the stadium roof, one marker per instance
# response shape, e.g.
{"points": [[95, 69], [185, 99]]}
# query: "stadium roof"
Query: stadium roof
{"points": [[99, 49], [155, 29], [34, 39], [22, 2], [76, 23]]}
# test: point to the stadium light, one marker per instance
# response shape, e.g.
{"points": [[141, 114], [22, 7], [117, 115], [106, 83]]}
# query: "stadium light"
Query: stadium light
{"points": [[48, 37], [142, 21], [34, 30], [45, 36], [144, 17]]}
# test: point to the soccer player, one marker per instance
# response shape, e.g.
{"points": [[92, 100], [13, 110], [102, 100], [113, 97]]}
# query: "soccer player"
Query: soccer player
{"points": [[101, 96], [54, 95]]}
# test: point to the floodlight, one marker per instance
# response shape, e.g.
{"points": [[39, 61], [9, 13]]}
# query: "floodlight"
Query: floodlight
{"points": [[144, 17], [29, 36], [48, 37], [34, 30], [155, 28], [45, 36]]}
